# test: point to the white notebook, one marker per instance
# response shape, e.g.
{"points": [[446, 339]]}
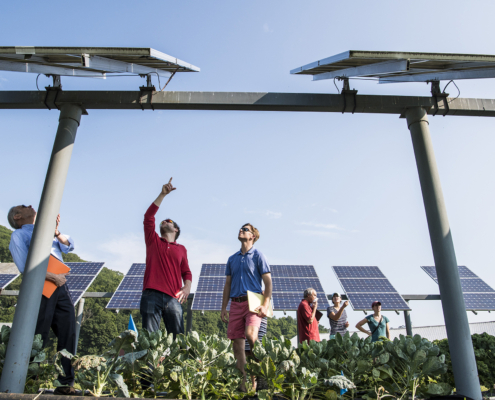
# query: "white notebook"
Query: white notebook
{"points": [[255, 300]]}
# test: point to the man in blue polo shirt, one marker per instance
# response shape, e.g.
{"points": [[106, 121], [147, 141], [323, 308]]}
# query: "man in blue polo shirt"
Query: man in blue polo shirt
{"points": [[245, 270]]}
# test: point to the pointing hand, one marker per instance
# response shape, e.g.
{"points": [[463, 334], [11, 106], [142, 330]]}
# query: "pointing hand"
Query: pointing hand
{"points": [[166, 189]]}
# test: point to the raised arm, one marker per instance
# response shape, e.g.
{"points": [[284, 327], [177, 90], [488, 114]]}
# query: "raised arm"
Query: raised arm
{"points": [[65, 241], [149, 216], [166, 189], [336, 316]]}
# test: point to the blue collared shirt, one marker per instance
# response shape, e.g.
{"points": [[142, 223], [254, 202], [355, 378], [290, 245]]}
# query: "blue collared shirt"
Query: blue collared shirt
{"points": [[246, 271], [21, 239]]}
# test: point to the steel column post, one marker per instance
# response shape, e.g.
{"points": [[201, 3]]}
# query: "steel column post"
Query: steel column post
{"points": [[407, 317], [80, 311], [189, 315], [21, 338], [454, 309]]}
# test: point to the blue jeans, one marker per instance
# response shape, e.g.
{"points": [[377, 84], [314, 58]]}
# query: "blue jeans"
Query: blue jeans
{"points": [[156, 305]]}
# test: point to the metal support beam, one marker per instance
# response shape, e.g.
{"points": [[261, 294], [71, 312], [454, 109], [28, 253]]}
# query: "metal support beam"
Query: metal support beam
{"points": [[79, 317], [189, 313], [244, 101], [454, 310], [407, 317], [441, 76], [21, 338]]}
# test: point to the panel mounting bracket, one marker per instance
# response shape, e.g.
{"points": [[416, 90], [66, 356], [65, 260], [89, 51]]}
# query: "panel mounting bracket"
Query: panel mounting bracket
{"points": [[436, 93], [148, 90], [345, 91], [56, 88]]}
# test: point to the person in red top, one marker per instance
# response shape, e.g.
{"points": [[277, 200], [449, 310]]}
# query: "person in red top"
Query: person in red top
{"points": [[166, 268], [307, 324]]}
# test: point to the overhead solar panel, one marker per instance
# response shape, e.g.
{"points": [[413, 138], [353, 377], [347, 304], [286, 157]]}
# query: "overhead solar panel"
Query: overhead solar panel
{"points": [[364, 285], [289, 283], [80, 278], [6, 280], [391, 66], [90, 61], [128, 293], [478, 295]]}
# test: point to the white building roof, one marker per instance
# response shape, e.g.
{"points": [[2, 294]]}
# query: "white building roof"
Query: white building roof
{"points": [[435, 332]]}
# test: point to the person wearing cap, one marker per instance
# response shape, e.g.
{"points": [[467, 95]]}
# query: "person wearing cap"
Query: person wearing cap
{"points": [[377, 323], [166, 269], [337, 316], [245, 270], [307, 323]]}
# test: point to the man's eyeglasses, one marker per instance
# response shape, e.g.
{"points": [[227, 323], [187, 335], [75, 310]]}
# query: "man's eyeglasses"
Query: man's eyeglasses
{"points": [[244, 230], [168, 220]]}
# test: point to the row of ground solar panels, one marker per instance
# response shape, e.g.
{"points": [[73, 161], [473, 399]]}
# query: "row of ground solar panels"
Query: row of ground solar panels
{"points": [[362, 285], [289, 283], [79, 280]]}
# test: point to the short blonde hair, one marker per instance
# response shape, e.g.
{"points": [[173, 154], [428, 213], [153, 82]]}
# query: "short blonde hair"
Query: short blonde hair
{"points": [[255, 231]]}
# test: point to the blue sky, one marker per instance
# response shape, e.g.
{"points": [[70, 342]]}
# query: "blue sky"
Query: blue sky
{"points": [[323, 189]]}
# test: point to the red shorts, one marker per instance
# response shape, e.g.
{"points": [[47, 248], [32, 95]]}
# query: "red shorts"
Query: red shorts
{"points": [[239, 318]]}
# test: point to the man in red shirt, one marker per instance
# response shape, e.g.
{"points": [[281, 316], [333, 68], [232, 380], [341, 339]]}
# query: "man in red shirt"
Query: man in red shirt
{"points": [[307, 324], [166, 268]]}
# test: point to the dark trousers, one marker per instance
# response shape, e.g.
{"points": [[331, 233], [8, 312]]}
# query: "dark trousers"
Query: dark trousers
{"points": [[57, 313], [156, 305]]}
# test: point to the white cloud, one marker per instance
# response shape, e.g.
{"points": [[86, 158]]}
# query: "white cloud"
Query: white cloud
{"points": [[333, 210], [270, 214], [318, 233], [325, 226], [273, 214], [266, 28]]}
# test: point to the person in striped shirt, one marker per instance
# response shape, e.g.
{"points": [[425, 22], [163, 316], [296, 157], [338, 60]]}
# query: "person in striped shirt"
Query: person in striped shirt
{"points": [[337, 316]]}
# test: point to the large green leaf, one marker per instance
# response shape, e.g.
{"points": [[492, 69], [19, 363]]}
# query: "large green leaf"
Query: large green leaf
{"points": [[119, 381]]}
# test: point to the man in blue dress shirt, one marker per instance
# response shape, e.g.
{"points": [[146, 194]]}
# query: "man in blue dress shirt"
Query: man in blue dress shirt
{"points": [[244, 271], [57, 312]]}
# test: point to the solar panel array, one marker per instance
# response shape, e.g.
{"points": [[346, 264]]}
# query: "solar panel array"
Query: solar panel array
{"points": [[7, 279], [364, 285], [289, 283], [478, 295], [128, 294], [80, 278]]}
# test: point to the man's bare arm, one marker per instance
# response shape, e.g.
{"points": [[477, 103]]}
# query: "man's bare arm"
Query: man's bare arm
{"points": [[225, 299], [61, 238], [166, 189]]}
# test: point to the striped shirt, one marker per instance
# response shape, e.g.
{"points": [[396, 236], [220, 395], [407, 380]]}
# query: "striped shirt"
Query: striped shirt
{"points": [[261, 333], [337, 326]]}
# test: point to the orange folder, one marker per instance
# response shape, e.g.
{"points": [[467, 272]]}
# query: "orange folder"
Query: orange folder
{"points": [[55, 266]]}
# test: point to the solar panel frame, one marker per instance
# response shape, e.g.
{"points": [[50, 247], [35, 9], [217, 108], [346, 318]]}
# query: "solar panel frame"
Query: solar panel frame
{"points": [[365, 284], [130, 289], [482, 299], [80, 278], [6, 280], [289, 283]]}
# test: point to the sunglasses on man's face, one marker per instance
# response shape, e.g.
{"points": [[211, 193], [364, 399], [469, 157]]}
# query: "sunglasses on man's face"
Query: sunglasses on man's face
{"points": [[244, 230], [168, 220]]}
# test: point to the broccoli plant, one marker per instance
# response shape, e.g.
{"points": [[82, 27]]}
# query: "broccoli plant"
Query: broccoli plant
{"points": [[97, 373], [39, 371], [406, 366], [277, 361], [205, 368]]}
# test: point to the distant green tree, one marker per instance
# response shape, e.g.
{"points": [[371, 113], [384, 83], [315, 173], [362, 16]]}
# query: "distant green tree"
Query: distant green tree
{"points": [[5, 255]]}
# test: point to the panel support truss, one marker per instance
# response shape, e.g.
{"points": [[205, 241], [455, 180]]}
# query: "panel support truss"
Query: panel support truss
{"points": [[245, 101]]}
